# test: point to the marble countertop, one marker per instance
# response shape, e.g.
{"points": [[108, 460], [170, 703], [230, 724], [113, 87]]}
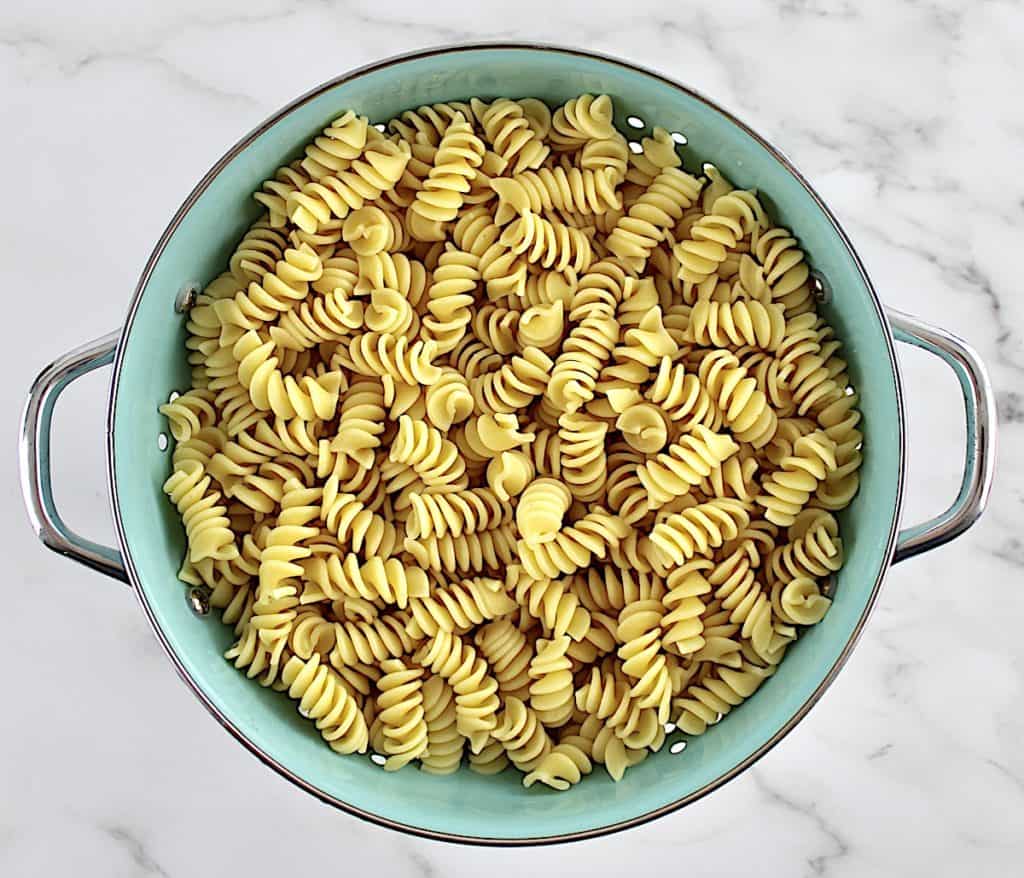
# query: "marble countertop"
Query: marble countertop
{"points": [[896, 111]]}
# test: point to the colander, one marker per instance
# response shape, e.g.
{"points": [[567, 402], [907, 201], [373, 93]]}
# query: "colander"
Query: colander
{"points": [[148, 359]]}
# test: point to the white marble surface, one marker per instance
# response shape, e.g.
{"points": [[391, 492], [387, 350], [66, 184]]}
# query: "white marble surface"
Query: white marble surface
{"points": [[907, 118]]}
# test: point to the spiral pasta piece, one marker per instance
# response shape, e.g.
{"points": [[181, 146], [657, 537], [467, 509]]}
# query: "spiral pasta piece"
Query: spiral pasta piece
{"points": [[642, 656], [274, 194], [370, 230], [458, 607], [207, 528], [444, 743], [576, 369], [508, 129], [732, 216], [541, 509], [495, 326], [682, 626], [657, 153], [551, 601], [380, 353], [400, 712], [457, 513], [189, 413], [506, 650], [509, 473], [448, 400], [270, 390], [361, 421], [744, 408], [643, 347], [741, 594], [582, 119], [421, 447], [684, 465], [606, 695], [549, 244], [786, 272], [341, 142], [737, 324], [503, 271], [706, 703], [617, 758], [372, 641], [476, 700], [380, 167], [595, 534], [580, 190], [584, 463], [428, 124], [322, 697], [470, 553], [515, 385], [800, 601], [523, 735], [698, 529], [449, 298], [732, 478], [331, 317], [541, 326], [551, 692], [787, 490], [644, 427], [489, 435], [260, 249], [348, 517], [459, 154], [652, 215], [278, 291], [311, 633], [560, 769], [389, 580], [815, 548], [610, 587], [492, 758]]}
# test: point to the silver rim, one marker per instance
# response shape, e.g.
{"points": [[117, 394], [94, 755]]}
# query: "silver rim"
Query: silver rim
{"points": [[270, 760]]}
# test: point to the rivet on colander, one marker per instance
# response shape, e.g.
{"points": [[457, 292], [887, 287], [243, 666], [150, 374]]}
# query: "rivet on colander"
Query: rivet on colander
{"points": [[198, 598], [161, 441], [186, 297], [677, 747], [821, 287], [635, 122], [679, 138], [377, 759]]}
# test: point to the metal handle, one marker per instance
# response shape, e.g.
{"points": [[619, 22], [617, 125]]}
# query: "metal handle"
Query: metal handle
{"points": [[36, 483], [980, 409]]}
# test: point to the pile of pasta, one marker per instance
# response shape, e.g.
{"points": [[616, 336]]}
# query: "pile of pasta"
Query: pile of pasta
{"points": [[511, 440]]}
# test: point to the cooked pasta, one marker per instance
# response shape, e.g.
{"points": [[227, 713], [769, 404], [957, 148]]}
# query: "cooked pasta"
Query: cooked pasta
{"points": [[507, 445]]}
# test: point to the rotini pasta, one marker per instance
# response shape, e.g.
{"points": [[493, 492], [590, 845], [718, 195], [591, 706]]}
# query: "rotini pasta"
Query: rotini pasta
{"points": [[400, 711], [503, 433], [459, 607]]}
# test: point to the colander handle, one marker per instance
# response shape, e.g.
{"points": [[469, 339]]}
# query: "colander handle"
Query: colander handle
{"points": [[36, 483], [980, 409]]}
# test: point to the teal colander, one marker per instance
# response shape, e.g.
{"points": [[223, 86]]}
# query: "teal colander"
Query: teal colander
{"points": [[149, 362]]}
